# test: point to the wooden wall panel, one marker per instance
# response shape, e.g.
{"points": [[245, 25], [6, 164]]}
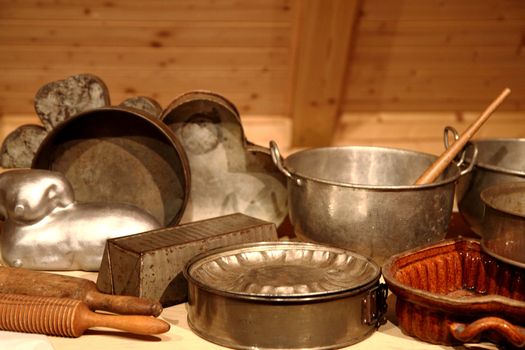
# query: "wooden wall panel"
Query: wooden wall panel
{"points": [[437, 55], [158, 48]]}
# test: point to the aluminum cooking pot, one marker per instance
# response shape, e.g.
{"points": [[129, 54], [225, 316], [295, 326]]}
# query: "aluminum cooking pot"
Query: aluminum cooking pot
{"points": [[503, 226], [499, 161], [362, 198]]}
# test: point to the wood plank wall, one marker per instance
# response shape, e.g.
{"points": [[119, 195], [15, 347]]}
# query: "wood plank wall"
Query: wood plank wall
{"points": [[418, 65], [157, 48], [413, 67]]}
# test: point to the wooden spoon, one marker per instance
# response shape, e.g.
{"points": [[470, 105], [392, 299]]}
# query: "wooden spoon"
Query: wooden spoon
{"points": [[433, 172]]}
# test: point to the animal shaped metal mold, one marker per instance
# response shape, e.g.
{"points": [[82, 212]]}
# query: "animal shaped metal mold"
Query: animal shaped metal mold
{"points": [[46, 229], [229, 174]]}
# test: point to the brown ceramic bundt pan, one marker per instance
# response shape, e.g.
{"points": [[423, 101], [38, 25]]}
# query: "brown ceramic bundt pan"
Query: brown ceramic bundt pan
{"points": [[452, 292]]}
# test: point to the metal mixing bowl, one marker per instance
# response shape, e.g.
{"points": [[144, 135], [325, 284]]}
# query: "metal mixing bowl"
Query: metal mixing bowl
{"points": [[499, 161], [503, 227], [363, 198]]}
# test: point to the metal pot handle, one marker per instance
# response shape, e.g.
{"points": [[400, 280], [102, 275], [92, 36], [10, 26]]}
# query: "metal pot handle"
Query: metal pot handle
{"points": [[473, 331], [278, 161], [463, 156]]}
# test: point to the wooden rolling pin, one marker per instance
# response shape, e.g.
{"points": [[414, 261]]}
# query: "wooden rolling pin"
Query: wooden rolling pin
{"points": [[15, 280], [433, 172], [66, 317]]}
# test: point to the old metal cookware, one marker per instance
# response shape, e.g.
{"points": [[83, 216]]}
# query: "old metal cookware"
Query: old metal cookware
{"points": [[118, 155], [452, 292], [229, 174], [499, 161], [363, 198], [284, 295], [503, 226]]}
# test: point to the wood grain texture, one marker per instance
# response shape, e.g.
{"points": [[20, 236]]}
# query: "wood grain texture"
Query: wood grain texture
{"points": [[160, 49], [323, 38], [436, 55]]}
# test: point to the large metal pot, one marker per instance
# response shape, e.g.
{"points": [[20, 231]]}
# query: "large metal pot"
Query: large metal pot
{"points": [[363, 198], [503, 228], [499, 161]]}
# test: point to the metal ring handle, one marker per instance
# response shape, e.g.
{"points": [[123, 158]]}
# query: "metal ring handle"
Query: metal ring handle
{"points": [[455, 133], [473, 160], [278, 161]]}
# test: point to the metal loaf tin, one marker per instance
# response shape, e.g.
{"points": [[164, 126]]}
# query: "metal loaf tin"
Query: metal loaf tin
{"points": [[150, 264], [284, 295]]}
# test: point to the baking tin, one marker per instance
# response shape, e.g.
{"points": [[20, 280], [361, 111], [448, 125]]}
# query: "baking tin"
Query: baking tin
{"points": [[150, 264], [503, 228], [229, 174], [500, 160], [118, 155], [284, 295], [452, 292]]}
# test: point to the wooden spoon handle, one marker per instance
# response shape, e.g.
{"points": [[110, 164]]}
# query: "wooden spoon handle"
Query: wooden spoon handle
{"points": [[433, 172]]}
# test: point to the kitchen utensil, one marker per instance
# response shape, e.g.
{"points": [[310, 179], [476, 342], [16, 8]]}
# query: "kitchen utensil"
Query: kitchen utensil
{"points": [[27, 282], [118, 155], [362, 198], [45, 228], [500, 160], [150, 264], [284, 295], [229, 174], [66, 317], [503, 228], [452, 292], [432, 172]]}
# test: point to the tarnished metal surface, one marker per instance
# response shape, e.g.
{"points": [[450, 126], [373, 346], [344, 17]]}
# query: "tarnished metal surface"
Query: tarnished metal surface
{"points": [[499, 161], [229, 174], [503, 225], [363, 198], [46, 229], [283, 269], [118, 155], [284, 295], [150, 264]]}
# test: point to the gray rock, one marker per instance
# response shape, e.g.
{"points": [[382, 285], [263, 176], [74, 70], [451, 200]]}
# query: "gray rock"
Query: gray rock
{"points": [[59, 100], [20, 146]]}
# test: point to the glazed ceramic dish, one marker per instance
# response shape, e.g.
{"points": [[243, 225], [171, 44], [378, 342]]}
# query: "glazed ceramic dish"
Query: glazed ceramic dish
{"points": [[284, 295], [452, 292]]}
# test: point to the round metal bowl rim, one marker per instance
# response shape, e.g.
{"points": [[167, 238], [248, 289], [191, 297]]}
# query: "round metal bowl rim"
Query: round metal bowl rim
{"points": [[372, 187], [280, 298], [391, 281], [163, 128], [494, 188], [496, 168]]}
